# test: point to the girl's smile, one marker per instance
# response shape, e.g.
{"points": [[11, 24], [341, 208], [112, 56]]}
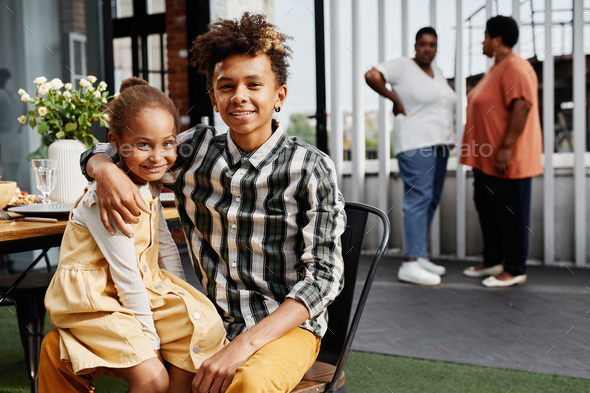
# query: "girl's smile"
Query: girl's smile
{"points": [[148, 146]]}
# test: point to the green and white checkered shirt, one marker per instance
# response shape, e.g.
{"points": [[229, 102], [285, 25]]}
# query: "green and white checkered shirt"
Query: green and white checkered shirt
{"points": [[260, 229]]}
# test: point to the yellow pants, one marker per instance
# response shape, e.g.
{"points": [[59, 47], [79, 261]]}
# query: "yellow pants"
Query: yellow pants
{"points": [[276, 367]]}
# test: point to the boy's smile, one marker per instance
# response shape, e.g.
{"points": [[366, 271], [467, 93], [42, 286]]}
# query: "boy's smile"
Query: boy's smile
{"points": [[245, 93]]}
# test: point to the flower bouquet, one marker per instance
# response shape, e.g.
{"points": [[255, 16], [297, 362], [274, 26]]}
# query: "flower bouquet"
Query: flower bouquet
{"points": [[67, 114]]}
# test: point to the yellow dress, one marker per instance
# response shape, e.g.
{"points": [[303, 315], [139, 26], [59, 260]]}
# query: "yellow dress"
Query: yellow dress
{"points": [[97, 331]]}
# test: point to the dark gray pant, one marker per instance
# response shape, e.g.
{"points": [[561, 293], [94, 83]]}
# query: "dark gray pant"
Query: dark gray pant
{"points": [[504, 207]]}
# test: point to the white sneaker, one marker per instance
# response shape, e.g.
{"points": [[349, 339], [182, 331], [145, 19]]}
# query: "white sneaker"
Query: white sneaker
{"points": [[415, 274], [431, 267]]}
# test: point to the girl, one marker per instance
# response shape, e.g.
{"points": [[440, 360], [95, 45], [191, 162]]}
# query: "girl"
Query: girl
{"points": [[120, 303]]}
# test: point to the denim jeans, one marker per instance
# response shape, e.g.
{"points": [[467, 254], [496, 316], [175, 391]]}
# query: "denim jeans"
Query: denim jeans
{"points": [[423, 172]]}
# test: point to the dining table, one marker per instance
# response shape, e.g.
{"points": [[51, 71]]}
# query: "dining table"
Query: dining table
{"points": [[28, 288]]}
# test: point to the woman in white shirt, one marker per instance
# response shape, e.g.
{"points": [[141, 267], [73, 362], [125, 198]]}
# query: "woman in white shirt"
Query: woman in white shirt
{"points": [[423, 132]]}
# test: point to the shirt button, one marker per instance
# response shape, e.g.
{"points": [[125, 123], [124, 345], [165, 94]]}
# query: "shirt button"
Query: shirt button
{"points": [[197, 349], [233, 264], [233, 226], [196, 315], [144, 268], [181, 293], [249, 317], [237, 199], [158, 286], [242, 171]]}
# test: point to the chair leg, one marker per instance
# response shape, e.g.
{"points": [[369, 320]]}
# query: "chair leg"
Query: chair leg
{"points": [[30, 312], [341, 389], [48, 263]]}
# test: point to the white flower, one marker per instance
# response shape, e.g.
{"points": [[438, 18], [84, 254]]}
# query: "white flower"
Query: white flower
{"points": [[44, 88], [40, 80], [104, 101], [21, 92], [97, 94], [91, 78], [90, 89], [42, 111], [106, 116], [57, 92], [68, 86], [22, 119], [117, 94], [25, 97], [67, 94], [84, 83], [56, 83], [102, 86]]}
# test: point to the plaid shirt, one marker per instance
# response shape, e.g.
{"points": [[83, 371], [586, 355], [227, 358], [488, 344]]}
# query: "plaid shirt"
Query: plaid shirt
{"points": [[260, 228]]}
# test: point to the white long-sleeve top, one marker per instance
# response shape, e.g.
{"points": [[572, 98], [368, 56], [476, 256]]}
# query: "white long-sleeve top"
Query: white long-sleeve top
{"points": [[119, 251]]}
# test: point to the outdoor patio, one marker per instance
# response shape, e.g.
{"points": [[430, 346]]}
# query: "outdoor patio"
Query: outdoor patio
{"points": [[539, 327]]}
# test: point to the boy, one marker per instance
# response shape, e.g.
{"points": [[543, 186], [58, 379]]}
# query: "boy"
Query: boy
{"points": [[261, 212]]}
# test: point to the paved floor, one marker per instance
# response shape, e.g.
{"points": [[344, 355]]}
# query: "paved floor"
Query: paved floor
{"points": [[542, 326]]}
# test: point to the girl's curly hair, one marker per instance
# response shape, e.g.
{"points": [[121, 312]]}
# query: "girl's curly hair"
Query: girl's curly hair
{"points": [[251, 35], [137, 95]]}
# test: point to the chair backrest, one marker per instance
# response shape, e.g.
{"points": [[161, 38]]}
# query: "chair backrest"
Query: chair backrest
{"points": [[337, 341]]}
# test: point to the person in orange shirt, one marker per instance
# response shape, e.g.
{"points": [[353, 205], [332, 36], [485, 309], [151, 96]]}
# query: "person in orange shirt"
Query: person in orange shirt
{"points": [[503, 145]]}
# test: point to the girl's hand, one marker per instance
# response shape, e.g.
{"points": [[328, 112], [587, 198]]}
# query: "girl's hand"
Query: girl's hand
{"points": [[216, 373], [118, 198]]}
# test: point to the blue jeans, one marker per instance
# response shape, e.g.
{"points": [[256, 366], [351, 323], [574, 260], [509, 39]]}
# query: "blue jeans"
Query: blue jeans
{"points": [[423, 172]]}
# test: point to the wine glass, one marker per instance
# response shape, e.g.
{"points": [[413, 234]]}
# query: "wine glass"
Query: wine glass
{"points": [[46, 176]]}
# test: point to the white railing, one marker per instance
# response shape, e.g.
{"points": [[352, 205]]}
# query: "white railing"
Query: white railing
{"points": [[385, 165]]}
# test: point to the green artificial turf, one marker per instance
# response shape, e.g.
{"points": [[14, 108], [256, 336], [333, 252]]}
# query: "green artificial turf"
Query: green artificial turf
{"points": [[365, 372], [369, 372]]}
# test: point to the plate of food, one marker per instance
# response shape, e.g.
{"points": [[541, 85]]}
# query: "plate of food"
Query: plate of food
{"points": [[55, 210], [22, 198]]}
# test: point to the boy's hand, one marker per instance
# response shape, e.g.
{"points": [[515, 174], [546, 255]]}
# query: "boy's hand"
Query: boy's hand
{"points": [[117, 197], [216, 373]]}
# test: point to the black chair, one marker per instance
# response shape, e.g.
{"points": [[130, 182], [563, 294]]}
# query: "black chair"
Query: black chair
{"points": [[326, 375]]}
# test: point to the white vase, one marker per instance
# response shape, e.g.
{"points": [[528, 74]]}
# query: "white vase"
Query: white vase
{"points": [[70, 181]]}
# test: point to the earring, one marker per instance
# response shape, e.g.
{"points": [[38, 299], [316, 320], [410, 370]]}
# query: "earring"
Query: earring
{"points": [[494, 54], [278, 109]]}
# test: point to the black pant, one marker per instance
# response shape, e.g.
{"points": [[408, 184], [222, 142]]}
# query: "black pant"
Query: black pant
{"points": [[504, 207]]}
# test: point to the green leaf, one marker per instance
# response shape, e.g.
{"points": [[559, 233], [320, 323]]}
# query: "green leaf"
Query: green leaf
{"points": [[41, 152], [82, 119], [43, 127], [33, 123], [70, 127], [60, 135]]}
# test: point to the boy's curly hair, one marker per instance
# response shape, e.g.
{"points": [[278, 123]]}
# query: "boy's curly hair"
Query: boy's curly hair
{"points": [[252, 35]]}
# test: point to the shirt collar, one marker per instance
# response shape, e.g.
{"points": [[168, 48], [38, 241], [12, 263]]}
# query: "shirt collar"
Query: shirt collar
{"points": [[260, 155]]}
